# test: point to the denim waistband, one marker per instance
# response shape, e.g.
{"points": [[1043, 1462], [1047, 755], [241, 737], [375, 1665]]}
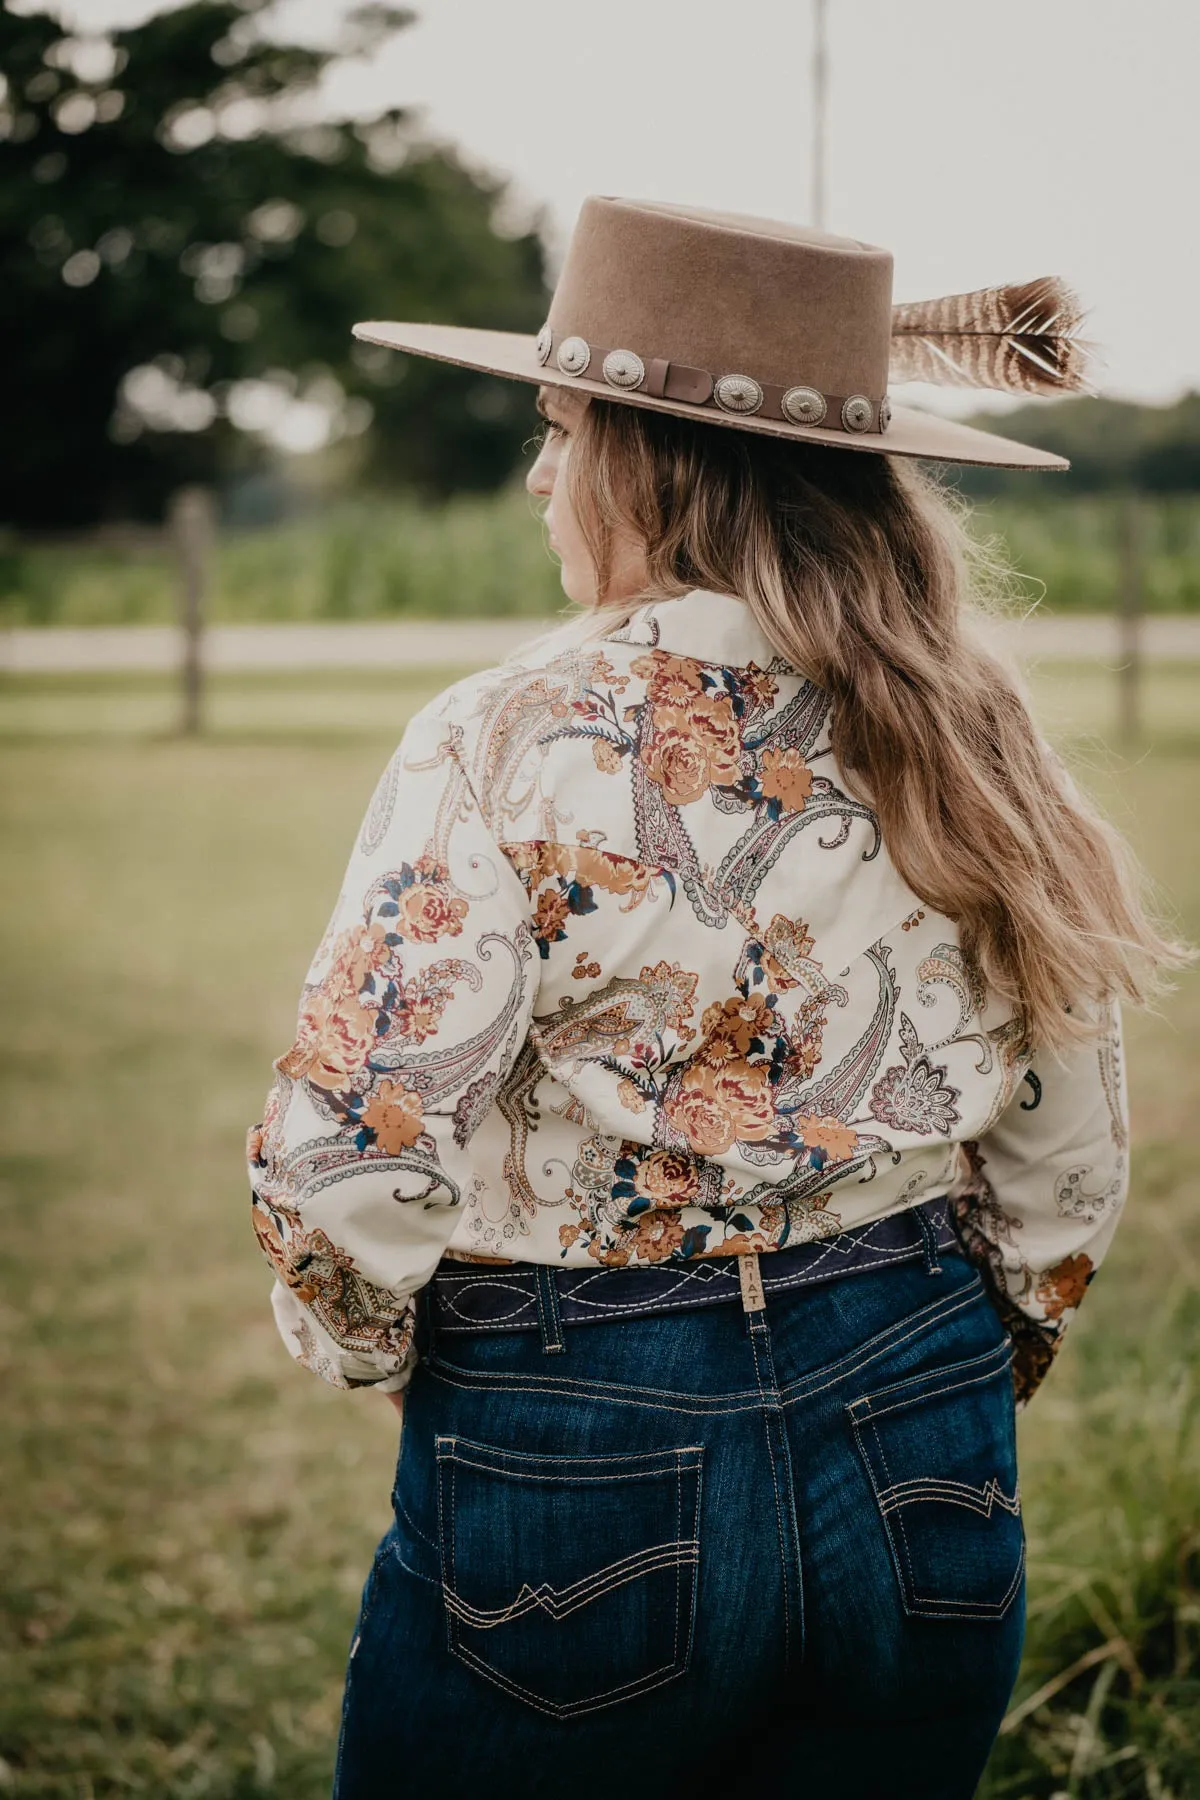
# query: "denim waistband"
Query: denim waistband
{"points": [[469, 1297]]}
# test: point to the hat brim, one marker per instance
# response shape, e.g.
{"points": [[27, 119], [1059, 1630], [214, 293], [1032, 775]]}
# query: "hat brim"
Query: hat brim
{"points": [[512, 354]]}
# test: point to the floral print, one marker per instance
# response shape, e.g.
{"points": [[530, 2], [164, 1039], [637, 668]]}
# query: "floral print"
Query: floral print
{"points": [[622, 973]]}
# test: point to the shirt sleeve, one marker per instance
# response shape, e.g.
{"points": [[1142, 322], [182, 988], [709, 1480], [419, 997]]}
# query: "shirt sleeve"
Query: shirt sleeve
{"points": [[416, 1004], [1042, 1189]]}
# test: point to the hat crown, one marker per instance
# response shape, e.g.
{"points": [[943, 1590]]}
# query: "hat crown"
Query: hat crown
{"points": [[729, 293]]}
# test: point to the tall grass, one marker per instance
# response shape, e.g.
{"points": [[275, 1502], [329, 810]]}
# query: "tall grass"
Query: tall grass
{"points": [[1109, 1700], [484, 556], [1069, 547], [477, 557]]}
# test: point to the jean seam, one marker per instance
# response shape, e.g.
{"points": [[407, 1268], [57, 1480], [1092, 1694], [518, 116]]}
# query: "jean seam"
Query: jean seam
{"points": [[570, 1383], [1001, 1356], [691, 1624], [581, 1390], [359, 1626], [670, 1400], [569, 1480], [925, 1318], [415, 1573], [755, 1330], [660, 1461], [908, 1561], [678, 1564], [411, 1522], [446, 1540], [931, 1314]]}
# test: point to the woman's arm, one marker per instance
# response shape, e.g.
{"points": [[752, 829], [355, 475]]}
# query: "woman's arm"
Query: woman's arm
{"points": [[416, 1004], [1042, 1190]]}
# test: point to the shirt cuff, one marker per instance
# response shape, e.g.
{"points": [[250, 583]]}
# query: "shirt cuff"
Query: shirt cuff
{"points": [[313, 1348]]}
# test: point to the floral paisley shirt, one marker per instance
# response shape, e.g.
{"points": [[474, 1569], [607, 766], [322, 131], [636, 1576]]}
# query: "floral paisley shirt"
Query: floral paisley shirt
{"points": [[621, 972]]}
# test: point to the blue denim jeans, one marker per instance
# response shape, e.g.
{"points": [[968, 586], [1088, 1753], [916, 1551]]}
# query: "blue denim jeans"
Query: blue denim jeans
{"points": [[699, 1548]]}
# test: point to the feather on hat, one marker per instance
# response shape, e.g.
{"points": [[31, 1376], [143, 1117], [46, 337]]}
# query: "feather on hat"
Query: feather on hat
{"points": [[1017, 340]]}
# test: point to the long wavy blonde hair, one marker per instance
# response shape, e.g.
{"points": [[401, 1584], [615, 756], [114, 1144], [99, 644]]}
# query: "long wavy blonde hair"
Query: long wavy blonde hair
{"points": [[859, 570]]}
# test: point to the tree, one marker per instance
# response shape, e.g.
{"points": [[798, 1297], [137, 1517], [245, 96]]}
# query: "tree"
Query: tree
{"points": [[1112, 444], [183, 252]]}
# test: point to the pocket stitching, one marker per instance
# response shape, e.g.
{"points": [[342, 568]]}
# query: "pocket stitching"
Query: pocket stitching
{"points": [[447, 1451], [933, 1488], [501, 1615], [923, 1606], [655, 1679]]}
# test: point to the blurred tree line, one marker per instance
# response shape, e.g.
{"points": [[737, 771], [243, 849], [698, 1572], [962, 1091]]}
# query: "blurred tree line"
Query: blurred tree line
{"points": [[185, 242], [184, 246], [1112, 444]]}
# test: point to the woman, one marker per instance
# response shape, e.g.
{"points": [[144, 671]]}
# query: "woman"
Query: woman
{"points": [[707, 1108]]}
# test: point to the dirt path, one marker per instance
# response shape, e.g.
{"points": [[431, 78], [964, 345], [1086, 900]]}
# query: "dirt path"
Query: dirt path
{"points": [[421, 644]]}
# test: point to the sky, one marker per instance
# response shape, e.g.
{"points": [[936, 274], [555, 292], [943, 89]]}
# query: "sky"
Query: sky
{"points": [[981, 144]]}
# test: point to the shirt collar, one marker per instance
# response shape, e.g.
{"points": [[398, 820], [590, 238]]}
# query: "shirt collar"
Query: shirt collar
{"points": [[717, 628]]}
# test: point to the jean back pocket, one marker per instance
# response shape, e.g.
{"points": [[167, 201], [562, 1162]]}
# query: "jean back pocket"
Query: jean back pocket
{"points": [[569, 1581], [940, 1451]]}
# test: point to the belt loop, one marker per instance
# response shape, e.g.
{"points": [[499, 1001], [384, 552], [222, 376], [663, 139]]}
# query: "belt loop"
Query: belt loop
{"points": [[423, 1336], [929, 1240], [549, 1316]]}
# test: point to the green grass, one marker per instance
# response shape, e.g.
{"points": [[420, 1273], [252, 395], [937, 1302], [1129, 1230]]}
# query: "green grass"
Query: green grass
{"points": [[1067, 548], [187, 1517], [481, 557]]}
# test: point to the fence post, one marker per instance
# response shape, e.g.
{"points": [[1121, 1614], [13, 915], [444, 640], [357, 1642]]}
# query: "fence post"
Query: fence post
{"points": [[1130, 607], [192, 521]]}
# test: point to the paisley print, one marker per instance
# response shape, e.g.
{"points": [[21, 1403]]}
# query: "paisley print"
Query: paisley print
{"points": [[621, 972], [914, 1095], [379, 813]]}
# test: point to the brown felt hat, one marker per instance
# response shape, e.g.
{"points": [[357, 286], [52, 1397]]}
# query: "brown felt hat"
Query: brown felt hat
{"points": [[770, 327]]}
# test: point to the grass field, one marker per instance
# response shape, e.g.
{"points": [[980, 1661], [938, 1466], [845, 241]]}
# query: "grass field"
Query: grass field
{"points": [[481, 556], [187, 1517]]}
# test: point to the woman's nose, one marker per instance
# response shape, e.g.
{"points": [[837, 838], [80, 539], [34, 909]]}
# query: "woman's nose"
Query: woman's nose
{"points": [[540, 479]]}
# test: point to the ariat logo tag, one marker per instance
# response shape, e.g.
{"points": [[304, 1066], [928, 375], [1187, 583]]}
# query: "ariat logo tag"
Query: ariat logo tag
{"points": [[750, 1276]]}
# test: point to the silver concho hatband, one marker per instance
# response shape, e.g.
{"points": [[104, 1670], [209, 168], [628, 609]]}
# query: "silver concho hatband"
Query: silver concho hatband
{"points": [[885, 413], [574, 355], [738, 394], [804, 406], [624, 369], [856, 413], [545, 339]]}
